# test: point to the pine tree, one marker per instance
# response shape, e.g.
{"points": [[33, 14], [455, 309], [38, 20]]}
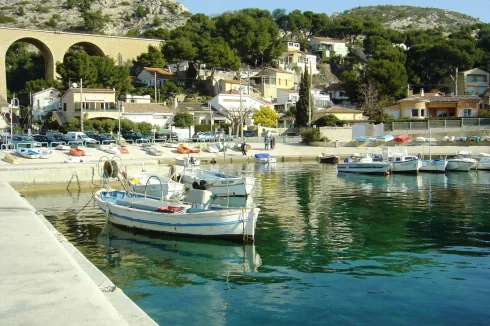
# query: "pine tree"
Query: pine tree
{"points": [[303, 105]]}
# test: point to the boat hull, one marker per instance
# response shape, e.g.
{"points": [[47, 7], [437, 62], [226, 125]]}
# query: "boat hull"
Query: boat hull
{"points": [[410, 166], [461, 165], [364, 168], [28, 153], [239, 186], [236, 224], [433, 166], [328, 159], [155, 186]]}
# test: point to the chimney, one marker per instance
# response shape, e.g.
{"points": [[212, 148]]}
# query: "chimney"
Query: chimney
{"points": [[422, 92]]}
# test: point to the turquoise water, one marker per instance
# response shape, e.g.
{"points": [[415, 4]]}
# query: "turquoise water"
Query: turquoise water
{"points": [[349, 250]]}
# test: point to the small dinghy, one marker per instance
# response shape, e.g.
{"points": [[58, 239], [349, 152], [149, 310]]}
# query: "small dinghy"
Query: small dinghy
{"points": [[62, 147], [76, 152], [264, 158], [28, 152], [75, 159]]}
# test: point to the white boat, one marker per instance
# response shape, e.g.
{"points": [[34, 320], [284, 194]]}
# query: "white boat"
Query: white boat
{"points": [[75, 159], [153, 150], [264, 158], [211, 148], [28, 152], [462, 161], [194, 218], [170, 145], [363, 164], [218, 183], [111, 149], [187, 161], [483, 162], [154, 185], [435, 166], [401, 162], [62, 147]]}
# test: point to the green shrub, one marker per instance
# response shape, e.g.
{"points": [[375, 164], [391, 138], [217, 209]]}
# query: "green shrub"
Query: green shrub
{"points": [[140, 12], [310, 136], [56, 16], [21, 11], [42, 9], [6, 19], [125, 3], [52, 23]]}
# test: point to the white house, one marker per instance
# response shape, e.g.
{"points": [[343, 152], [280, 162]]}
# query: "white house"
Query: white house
{"points": [[325, 47], [320, 98], [154, 113], [128, 98], [226, 103], [150, 76], [45, 101]]}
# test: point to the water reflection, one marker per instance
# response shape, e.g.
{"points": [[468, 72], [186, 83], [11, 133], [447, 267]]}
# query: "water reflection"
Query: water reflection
{"points": [[175, 256]]}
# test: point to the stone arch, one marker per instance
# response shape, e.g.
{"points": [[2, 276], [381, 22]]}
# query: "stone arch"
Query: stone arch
{"points": [[90, 48], [49, 64]]}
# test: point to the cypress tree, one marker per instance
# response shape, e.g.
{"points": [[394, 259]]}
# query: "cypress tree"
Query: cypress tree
{"points": [[302, 106]]}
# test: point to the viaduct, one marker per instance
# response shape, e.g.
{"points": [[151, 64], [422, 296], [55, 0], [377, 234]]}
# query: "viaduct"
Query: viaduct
{"points": [[53, 45]]}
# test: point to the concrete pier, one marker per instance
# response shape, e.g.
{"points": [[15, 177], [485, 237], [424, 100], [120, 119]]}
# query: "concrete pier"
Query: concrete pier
{"points": [[46, 281]]}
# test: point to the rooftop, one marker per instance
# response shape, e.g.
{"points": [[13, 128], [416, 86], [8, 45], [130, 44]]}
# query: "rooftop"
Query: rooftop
{"points": [[328, 39], [146, 108], [341, 109], [162, 73], [444, 98]]}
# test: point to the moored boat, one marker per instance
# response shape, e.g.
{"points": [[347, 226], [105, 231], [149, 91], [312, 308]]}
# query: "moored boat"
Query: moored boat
{"points": [[462, 161], [483, 161], [154, 185], [264, 158], [435, 166], [195, 218], [218, 183], [363, 164], [328, 158]]}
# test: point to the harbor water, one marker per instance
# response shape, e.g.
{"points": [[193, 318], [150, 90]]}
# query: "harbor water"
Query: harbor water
{"points": [[329, 249]]}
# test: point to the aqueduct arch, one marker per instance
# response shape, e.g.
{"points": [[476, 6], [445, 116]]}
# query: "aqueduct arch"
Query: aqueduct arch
{"points": [[54, 45]]}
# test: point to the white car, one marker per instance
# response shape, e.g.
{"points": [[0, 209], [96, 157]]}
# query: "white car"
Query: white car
{"points": [[270, 133]]}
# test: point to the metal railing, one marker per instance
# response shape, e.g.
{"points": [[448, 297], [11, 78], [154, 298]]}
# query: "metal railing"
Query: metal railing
{"points": [[483, 123]]}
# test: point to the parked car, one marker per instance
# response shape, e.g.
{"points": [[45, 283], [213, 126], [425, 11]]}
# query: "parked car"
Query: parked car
{"points": [[91, 133], [248, 133], [79, 136], [132, 135], [44, 139], [101, 138], [204, 136], [167, 135], [60, 138], [25, 141]]}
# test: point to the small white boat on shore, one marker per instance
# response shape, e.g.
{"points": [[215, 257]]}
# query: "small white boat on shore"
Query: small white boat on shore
{"points": [[211, 148], [62, 148], [187, 161], [363, 163], [28, 152], [194, 218]]}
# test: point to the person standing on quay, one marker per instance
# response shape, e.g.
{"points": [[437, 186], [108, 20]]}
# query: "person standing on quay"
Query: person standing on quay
{"points": [[244, 148], [273, 142]]}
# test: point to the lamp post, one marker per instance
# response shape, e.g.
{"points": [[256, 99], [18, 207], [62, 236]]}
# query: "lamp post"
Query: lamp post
{"points": [[119, 121], [14, 102], [81, 106]]}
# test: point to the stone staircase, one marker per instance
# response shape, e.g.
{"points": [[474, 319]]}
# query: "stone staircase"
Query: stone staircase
{"points": [[60, 117]]}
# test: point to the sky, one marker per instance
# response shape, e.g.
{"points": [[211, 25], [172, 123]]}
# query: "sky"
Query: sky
{"points": [[474, 8]]}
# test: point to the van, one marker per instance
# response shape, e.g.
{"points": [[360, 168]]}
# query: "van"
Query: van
{"points": [[79, 136]]}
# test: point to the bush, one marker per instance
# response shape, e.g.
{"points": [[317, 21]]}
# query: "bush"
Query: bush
{"points": [[6, 19], [310, 136], [329, 121]]}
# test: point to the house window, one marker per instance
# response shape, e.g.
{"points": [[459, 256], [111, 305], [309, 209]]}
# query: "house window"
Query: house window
{"points": [[64, 106], [481, 79], [422, 113], [441, 113], [467, 112], [415, 112]]}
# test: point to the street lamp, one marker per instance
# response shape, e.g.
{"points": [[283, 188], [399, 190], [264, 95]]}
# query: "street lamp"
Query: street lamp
{"points": [[81, 106], [12, 105]]}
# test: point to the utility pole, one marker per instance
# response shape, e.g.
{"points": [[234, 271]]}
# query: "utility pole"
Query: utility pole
{"points": [[12, 105], [309, 102], [155, 84], [119, 121], [81, 105]]}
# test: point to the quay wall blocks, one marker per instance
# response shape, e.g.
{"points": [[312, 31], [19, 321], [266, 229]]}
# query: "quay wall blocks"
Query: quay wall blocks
{"points": [[68, 174]]}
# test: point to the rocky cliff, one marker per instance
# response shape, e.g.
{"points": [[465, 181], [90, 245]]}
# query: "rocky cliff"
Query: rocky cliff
{"points": [[120, 17]]}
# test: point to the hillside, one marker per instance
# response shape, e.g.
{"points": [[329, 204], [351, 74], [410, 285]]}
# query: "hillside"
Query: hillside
{"points": [[409, 17], [118, 17]]}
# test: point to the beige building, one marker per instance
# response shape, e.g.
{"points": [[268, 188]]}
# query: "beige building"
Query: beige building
{"points": [[421, 106], [227, 85], [154, 113], [325, 47], [341, 113], [271, 79], [470, 82], [97, 103]]}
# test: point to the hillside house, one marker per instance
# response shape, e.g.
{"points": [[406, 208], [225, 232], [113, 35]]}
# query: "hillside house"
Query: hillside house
{"points": [[345, 114], [269, 80], [326, 47], [421, 106], [470, 82], [154, 113], [151, 76]]}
